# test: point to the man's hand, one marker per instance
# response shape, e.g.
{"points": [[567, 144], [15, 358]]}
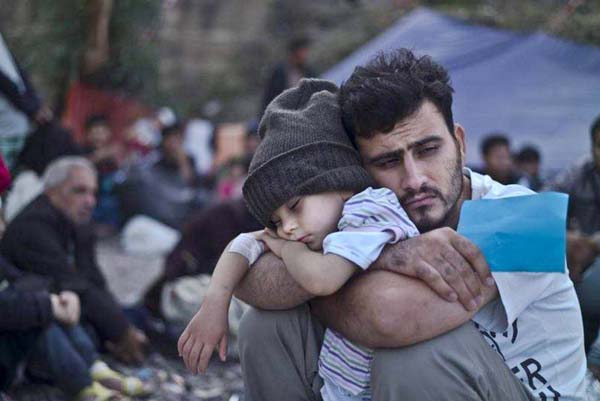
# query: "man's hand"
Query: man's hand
{"points": [[130, 349], [207, 330], [448, 263], [65, 307]]}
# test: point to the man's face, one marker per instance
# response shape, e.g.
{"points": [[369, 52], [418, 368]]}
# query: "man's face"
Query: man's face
{"points": [[76, 197], [98, 135], [172, 145], [422, 163], [498, 162]]}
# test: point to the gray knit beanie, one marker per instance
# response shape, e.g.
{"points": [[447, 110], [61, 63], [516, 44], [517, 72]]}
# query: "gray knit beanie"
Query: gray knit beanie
{"points": [[304, 150]]}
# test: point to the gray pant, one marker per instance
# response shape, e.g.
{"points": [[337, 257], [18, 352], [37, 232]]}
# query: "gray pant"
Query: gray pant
{"points": [[279, 351]]}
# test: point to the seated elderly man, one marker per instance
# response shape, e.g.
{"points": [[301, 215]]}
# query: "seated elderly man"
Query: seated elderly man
{"points": [[51, 237]]}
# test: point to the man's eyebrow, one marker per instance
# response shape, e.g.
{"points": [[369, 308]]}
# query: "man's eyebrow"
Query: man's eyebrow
{"points": [[392, 154], [398, 153], [425, 141]]}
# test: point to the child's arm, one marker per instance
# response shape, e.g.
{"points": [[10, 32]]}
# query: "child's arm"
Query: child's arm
{"points": [[317, 273], [209, 327]]}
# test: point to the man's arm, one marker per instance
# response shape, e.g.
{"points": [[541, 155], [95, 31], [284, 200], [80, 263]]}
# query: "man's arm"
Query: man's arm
{"points": [[268, 285], [383, 309]]}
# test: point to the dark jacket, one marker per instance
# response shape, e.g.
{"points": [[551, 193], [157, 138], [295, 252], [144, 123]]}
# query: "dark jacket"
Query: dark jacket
{"points": [[41, 240], [21, 309]]}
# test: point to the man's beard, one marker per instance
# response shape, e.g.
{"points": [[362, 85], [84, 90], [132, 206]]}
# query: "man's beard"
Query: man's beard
{"points": [[450, 202]]}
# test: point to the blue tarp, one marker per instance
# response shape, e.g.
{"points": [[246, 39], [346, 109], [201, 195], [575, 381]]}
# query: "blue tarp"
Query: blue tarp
{"points": [[536, 88]]}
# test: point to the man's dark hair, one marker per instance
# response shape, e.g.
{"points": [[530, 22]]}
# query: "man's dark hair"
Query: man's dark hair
{"points": [[491, 141], [172, 129], [528, 154], [595, 128], [96, 119], [297, 43], [390, 88]]}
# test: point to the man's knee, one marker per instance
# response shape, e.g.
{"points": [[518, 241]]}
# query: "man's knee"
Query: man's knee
{"points": [[446, 354], [257, 325]]}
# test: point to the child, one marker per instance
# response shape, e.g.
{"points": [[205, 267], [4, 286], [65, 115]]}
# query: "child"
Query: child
{"points": [[304, 185]]}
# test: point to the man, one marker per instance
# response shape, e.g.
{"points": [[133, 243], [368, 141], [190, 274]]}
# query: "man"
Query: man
{"points": [[582, 182], [398, 111], [289, 72], [528, 162], [498, 163], [25, 314], [52, 237]]}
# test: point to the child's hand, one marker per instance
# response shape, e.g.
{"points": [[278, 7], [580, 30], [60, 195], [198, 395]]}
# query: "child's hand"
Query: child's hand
{"points": [[272, 241], [207, 329]]}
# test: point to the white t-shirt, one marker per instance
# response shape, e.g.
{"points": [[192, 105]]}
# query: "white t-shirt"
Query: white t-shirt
{"points": [[536, 324]]}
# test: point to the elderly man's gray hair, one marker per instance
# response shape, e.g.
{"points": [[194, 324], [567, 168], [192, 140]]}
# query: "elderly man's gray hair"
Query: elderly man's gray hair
{"points": [[57, 172]]}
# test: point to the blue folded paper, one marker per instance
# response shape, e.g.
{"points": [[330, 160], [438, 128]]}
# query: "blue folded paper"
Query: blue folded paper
{"points": [[518, 234]]}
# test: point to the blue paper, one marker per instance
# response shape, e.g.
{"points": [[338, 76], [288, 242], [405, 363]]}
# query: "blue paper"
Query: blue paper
{"points": [[518, 234]]}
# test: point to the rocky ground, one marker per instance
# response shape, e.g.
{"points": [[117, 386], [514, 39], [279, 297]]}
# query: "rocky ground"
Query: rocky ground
{"points": [[128, 276]]}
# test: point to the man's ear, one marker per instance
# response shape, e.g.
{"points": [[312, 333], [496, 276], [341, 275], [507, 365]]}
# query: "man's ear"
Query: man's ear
{"points": [[459, 134]]}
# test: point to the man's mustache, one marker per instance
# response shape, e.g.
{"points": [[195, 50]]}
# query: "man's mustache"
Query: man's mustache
{"points": [[423, 191]]}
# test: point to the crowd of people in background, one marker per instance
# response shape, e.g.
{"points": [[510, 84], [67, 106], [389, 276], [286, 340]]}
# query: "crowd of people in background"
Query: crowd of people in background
{"points": [[67, 192]]}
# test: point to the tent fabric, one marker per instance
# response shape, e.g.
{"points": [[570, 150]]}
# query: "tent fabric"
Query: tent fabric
{"points": [[535, 88]]}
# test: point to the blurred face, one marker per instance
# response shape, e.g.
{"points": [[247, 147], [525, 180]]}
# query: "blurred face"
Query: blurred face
{"points": [[172, 144], [309, 219], [422, 163], [76, 197], [498, 162], [299, 56], [531, 168], [98, 135]]}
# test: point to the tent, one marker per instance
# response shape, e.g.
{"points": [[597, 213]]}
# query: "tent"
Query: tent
{"points": [[535, 88]]}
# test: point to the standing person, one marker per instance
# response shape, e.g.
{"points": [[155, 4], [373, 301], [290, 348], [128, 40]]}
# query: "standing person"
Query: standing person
{"points": [[517, 338], [51, 237], [582, 182], [288, 73], [19, 107], [498, 162]]}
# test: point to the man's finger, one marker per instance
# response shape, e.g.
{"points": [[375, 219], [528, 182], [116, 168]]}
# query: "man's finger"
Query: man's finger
{"points": [[435, 281], [473, 255], [464, 270], [455, 281]]}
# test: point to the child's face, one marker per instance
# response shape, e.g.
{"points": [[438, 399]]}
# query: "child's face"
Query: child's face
{"points": [[310, 218]]}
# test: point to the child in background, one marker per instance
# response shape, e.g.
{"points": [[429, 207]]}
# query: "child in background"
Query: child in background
{"points": [[307, 186]]}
